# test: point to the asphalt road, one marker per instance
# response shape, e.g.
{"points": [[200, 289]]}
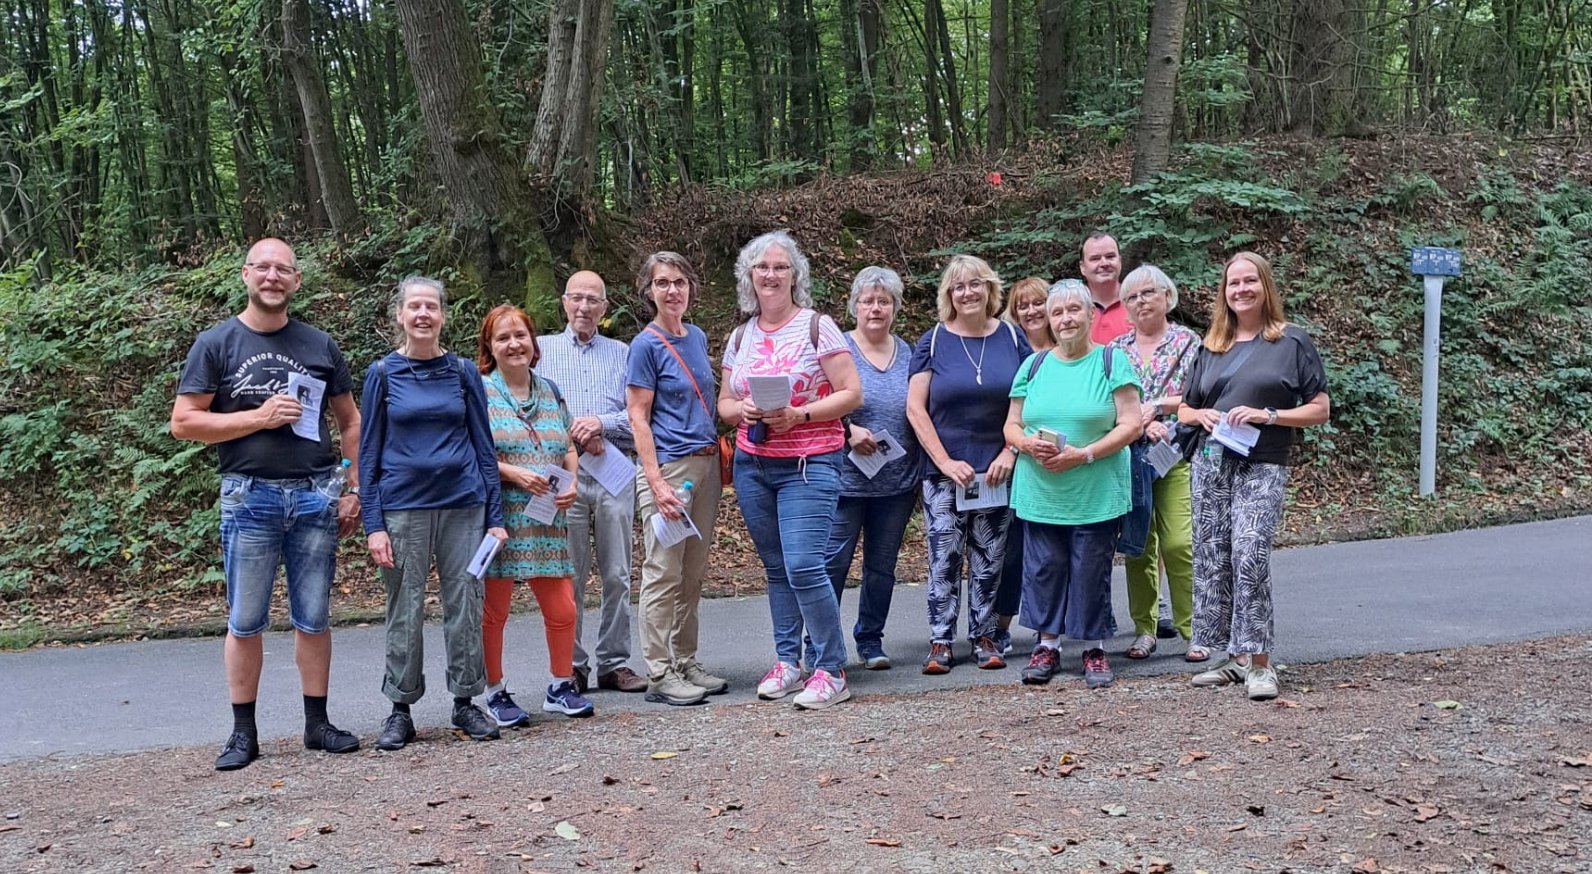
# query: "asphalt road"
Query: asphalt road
{"points": [[1343, 600]]}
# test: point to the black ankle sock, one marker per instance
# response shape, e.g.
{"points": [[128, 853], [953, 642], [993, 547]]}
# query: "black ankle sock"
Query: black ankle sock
{"points": [[400, 708], [243, 718], [459, 703], [314, 710]]}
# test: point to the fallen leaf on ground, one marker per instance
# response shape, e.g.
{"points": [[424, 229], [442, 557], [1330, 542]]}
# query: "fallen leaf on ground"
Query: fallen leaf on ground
{"points": [[665, 754], [1115, 810], [436, 802], [1445, 704], [1238, 828], [1158, 866], [566, 831], [10, 828], [244, 844], [327, 829], [1582, 762], [429, 863], [243, 869], [1260, 738], [1367, 865], [1424, 812], [883, 842], [301, 865], [1191, 757], [609, 781], [536, 807]]}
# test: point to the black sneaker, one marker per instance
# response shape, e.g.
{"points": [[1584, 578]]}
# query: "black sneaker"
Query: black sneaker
{"points": [[1041, 665], [330, 738], [397, 730], [469, 719], [240, 749], [1164, 629]]}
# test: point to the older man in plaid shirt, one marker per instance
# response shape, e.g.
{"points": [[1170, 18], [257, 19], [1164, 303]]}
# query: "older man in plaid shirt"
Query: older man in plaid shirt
{"points": [[590, 369]]}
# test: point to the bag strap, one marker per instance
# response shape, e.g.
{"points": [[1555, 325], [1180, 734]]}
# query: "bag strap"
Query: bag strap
{"points": [[1105, 363], [812, 332], [694, 387], [1226, 376]]}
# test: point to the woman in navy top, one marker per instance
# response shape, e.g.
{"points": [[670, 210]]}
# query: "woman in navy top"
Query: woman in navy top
{"points": [[962, 371], [429, 472]]}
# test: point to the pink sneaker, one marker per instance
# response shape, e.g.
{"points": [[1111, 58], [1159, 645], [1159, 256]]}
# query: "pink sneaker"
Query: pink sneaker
{"points": [[781, 680], [823, 690]]}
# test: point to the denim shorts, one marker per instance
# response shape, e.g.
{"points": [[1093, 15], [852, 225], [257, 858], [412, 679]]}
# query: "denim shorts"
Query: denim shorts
{"points": [[266, 524]]}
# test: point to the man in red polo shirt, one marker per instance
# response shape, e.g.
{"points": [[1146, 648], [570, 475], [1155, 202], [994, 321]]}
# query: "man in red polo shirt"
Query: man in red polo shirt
{"points": [[1101, 268]]}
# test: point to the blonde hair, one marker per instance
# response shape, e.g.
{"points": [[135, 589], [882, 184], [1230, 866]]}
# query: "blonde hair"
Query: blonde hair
{"points": [[1224, 324], [973, 268]]}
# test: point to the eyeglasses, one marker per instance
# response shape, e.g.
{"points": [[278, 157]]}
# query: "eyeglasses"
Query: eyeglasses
{"points": [[662, 284], [776, 269], [582, 300], [975, 286], [1143, 295], [267, 269]]}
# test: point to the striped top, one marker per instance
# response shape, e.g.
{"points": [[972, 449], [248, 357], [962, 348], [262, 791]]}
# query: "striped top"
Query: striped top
{"points": [[788, 349], [592, 377]]}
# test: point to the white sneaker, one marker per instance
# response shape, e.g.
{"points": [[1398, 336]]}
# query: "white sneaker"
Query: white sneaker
{"points": [[823, 690], [1261, 684], [781, 680]]}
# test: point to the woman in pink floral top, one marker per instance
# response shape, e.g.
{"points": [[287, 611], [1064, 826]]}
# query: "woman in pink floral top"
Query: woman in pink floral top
{"points": [[787, 459], [1161, 354]]}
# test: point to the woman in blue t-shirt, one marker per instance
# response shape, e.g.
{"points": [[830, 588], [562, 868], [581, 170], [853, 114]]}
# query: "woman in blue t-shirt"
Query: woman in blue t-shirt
{"points": [[431, 489], [875, 509], [962, 370]]}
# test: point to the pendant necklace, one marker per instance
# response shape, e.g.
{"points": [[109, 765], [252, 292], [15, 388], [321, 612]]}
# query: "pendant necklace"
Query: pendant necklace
{"points": [[978, 366]]}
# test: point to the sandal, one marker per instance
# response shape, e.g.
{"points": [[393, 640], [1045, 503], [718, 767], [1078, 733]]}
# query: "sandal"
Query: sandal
{"points": [[1142, 647], [1197, 653]]}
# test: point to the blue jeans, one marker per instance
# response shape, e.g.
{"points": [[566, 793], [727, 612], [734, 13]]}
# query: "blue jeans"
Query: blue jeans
{"points": [[1136, 524], [788, 504], [266, 524], [881, 523]]}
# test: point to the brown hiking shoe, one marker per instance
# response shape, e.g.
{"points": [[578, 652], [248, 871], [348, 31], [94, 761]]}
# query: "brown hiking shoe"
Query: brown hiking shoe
{"points": [[621, 679]]}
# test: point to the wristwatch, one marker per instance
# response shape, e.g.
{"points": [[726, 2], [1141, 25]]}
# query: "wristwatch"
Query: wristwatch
{"points": [[1088, 455], [353, 490], [1271, 415]]}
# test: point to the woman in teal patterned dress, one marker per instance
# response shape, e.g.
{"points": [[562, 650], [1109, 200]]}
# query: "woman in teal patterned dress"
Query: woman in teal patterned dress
{"points": [[530, 429]]}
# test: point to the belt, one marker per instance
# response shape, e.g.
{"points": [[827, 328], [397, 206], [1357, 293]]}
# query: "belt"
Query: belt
{"points": [[710, 449]]}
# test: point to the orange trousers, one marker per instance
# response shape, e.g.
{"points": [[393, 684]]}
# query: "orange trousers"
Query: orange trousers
{"points": [[555, 596]]}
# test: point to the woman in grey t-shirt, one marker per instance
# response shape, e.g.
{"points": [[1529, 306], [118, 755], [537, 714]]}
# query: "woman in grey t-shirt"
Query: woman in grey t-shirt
{"points": [[875, 509]]}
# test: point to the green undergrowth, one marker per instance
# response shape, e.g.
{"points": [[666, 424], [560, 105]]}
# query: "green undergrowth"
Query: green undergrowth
{"points": [[95, 495]]}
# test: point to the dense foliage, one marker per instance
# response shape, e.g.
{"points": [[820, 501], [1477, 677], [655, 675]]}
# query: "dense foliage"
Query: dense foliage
{"points": [[96, 493]]}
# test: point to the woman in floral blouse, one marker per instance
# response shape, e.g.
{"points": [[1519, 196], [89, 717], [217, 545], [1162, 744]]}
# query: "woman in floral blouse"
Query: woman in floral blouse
{"points": [[1161, 354]]}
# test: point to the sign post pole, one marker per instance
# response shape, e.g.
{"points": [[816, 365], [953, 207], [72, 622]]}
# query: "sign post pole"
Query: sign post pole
{"points": [[1433, 265]]}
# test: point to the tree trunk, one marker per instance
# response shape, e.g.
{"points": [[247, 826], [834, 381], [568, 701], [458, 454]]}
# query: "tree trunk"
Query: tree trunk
{"points": [[999, 99], [861, 31], [1051, 89], [1152, 147], [488, 200], [562, 153], [337, 191]]}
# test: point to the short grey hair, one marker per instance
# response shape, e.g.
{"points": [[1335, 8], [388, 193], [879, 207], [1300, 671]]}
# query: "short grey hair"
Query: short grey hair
{"points": [[1066, 291], [751, 253], [1155, 277], [875, 277], [418, 281]]}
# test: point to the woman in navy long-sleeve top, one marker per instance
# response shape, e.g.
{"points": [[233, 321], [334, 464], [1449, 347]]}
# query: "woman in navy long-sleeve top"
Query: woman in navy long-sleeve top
{"points": [[430, 480]]}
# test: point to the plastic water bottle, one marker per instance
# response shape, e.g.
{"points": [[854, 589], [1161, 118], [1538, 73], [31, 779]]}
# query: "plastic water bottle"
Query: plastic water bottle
{"points": [[334, 486], [683, 495]]}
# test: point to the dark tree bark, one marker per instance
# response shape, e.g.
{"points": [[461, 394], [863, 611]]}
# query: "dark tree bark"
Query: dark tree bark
{"points": [[1051, 87], [337, 191], [1152, 147], [861, 31], [489, 202], [997, 123]]}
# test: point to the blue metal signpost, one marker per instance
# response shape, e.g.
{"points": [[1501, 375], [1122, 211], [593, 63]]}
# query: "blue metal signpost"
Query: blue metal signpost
{"points": [[1433, 265]]}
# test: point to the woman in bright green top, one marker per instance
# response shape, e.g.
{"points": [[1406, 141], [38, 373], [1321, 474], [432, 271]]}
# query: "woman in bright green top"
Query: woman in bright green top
{"points": [[1073, 414]]}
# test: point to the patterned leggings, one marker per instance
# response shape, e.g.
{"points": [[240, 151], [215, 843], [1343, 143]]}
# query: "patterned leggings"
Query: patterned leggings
{"points": [[977, 537], [1237, 508]]}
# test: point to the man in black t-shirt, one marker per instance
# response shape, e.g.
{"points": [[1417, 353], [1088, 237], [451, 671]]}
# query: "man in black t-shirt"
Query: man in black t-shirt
{"points": [[280, 505]]}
